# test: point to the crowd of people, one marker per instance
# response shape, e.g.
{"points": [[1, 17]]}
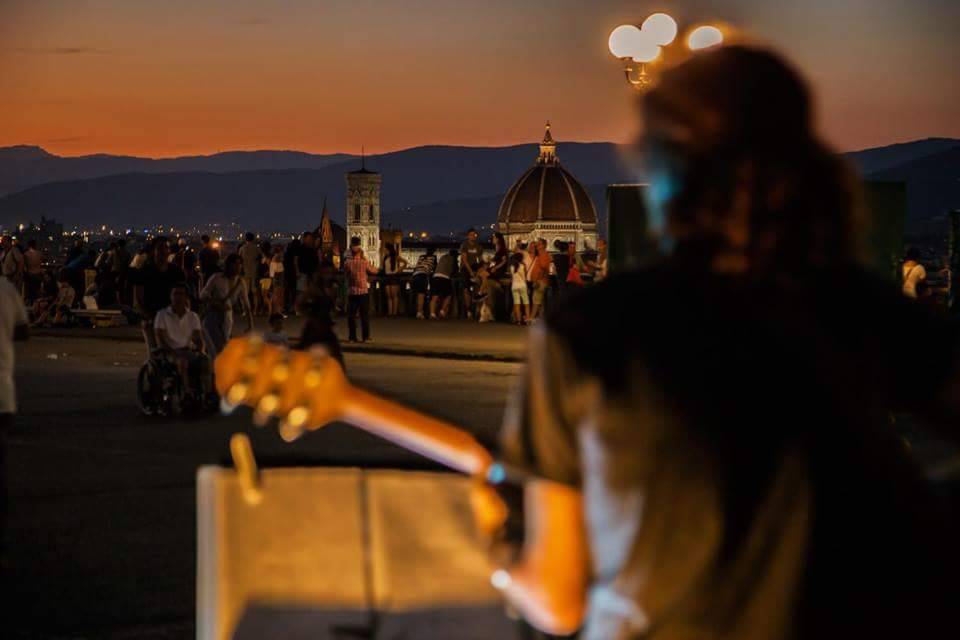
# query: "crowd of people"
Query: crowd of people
{"points": [[478, 280], [515, 281], [187, 299]]}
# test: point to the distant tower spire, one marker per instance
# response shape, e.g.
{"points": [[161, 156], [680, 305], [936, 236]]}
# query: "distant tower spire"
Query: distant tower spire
{"points": [[548, 148], [363, 157], [326, 229]]}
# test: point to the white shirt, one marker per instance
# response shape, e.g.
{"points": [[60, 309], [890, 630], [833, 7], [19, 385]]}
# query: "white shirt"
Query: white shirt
{"points": [[179, 329], [392, 267], [275, 268], [138, 260], [527, 263], [912, 276], [218, 287], [519, 277], [12, 314]]}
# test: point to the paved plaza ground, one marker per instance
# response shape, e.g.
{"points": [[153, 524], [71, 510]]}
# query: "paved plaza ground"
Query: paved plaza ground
{"points": [[102, 531], [455, 339]]}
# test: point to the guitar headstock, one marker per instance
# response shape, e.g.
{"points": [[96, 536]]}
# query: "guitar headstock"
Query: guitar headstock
{"points": [[304, 389]]}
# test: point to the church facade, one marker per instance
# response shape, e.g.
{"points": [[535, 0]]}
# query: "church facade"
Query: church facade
{"points": [[548, 202]]}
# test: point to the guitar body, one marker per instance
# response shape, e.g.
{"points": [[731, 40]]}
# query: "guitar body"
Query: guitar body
{"points": [[308, 390]]}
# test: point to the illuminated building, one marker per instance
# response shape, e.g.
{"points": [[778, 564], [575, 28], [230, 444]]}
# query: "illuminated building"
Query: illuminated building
{"points": [[548, 202], [363, 210]]}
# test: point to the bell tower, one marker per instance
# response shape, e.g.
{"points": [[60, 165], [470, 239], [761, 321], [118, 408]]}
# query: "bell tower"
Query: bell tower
{"points": [[363, 210]]}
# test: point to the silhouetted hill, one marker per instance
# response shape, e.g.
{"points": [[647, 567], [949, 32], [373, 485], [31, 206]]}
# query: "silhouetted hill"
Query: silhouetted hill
{"points": [[23, 152], [933, 183], [291, 199], [26, 166], [433, 188], [880, 158]]}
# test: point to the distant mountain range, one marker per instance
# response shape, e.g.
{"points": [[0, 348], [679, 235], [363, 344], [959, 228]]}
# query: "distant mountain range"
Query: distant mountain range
{"points": [[438, 189], [877, 159], [291, 198], [26, 166]]}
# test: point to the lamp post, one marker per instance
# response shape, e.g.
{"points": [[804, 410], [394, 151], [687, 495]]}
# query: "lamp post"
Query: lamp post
{"points": [[638, 47]]}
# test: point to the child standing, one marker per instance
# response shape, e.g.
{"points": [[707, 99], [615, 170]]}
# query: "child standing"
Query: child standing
{"points": [[518, 286]]}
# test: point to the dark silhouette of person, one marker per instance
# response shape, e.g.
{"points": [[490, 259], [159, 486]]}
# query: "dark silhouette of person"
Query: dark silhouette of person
{"points": [[317, 309], [740, 474]]}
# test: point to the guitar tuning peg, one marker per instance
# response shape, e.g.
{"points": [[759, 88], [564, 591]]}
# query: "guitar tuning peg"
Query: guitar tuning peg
{"points": [[288, 432], [226, 408], [298, 416], [266, 409], [237, 394], [280, 373], [311, 379], [293, 425]]}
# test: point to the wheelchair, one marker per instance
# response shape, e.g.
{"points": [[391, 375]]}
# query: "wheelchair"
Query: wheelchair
{"points": [[162, 391]]}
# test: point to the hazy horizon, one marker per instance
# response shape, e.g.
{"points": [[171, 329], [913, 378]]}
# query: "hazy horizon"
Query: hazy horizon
{"points": [[416, 146]]}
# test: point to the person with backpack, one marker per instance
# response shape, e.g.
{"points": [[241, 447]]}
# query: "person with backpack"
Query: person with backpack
{"points": [[420, 281], [441, 285]]}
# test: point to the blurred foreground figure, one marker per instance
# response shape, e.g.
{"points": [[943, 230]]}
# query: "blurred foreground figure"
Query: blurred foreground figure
{"points": [[739, 472]]}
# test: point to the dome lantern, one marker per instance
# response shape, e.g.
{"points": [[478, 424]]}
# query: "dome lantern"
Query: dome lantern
{"points": [[548, 148]]}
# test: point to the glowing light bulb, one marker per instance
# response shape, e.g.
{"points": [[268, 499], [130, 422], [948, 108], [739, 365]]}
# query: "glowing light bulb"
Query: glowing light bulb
{"points": [[623, 40], [704, 38], [661, 28], [646, 50]]}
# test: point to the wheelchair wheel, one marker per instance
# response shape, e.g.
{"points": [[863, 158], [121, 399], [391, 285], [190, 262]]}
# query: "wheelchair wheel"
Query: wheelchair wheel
{"points": [[172, 391], [149, 389]]}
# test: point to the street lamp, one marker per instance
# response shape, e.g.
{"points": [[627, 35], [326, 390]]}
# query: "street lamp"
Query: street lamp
{"points": [[661, 27], [704, 37], [639, 46]]}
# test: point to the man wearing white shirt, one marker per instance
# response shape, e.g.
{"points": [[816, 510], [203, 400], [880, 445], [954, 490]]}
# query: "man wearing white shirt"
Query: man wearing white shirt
{"points": [[180, 336]]}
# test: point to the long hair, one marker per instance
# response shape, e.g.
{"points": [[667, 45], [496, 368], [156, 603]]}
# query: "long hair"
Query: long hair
{"points": [[499, 242], [391, 254], [755, 179]]}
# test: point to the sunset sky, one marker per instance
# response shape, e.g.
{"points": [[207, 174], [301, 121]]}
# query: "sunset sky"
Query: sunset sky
{"points": [[178, 77]]}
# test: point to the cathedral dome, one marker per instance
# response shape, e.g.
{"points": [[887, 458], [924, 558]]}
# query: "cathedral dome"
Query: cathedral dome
{"points": [[546, 193]]}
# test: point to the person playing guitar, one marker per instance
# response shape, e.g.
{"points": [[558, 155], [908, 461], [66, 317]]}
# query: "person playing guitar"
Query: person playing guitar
{"points": [[704, 444]]}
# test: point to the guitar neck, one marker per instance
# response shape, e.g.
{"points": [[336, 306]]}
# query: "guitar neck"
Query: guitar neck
{"points": [[432, 438]]}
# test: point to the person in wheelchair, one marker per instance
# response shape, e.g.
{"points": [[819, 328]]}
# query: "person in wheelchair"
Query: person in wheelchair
{"points": [[180, 340]]}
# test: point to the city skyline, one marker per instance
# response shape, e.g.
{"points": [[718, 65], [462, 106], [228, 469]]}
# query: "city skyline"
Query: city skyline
{"points": [[178, 78]]}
